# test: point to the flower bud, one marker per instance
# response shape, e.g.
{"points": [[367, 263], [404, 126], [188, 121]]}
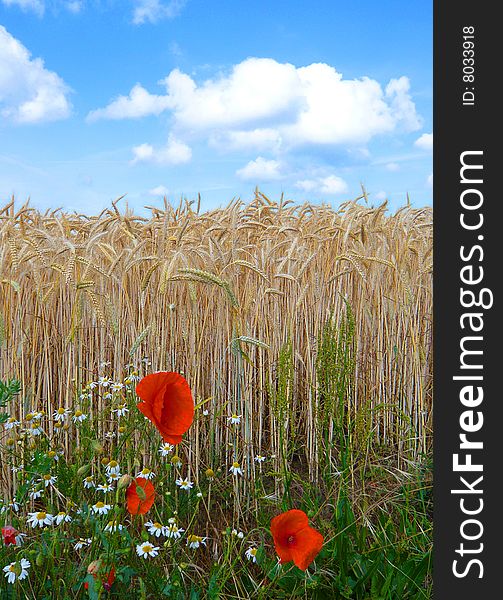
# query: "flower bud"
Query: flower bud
{"points": [[124, 482]]}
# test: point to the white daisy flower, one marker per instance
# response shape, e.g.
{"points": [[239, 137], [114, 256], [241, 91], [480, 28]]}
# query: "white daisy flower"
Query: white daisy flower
{"points": [[17, 469], [82, 543], [121, 410], [13, 506], [145, 550], [92, 384], [37, 415], [113, 477], [113, 467], [105, 488], [176, 461], [194, 541], [85, 396], [206, 412], [259, 458], [20, 539], [234, 419], [251, 554], [89, 482], [48, 480], [62, 517], [113, 526], [79, 416], [61, 414], [40, 519], [35, 494], [17, 570], [146, 361], [107, 396], [132, 377], [110, 435], [146, 474], [236, 469], [101, 508], [35, 430], [172, 530], [238, 534], [11, 423], [104, 381], [156, 528], [184, 484], [165, 449], [117, 387]]}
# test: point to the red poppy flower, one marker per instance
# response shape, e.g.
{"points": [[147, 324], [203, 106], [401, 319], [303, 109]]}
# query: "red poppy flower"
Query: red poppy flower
{"points": [[294, 539], [168, 403], [9, 534], [140, 496], [94, 568]]}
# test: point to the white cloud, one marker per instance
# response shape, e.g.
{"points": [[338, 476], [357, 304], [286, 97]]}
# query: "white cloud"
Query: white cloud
{"points": [[160, 190], [257, 139], [429, 180], [332, 184], [174, 152], [36, 6], [29, 93], [74, 6], [260, 169], [262, 103], [152, 11], [39, 6], [381, 195], [401, 104], [139, 103], [425, 142], [392, 166]]}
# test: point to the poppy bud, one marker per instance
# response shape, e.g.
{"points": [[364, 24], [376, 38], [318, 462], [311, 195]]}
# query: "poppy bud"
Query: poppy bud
{"points": [[124, 482], [97, 447], [94, 567], [83, 470]]}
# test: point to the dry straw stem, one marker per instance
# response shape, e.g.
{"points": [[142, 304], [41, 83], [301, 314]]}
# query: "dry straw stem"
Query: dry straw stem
{"points": [[183, 287]]}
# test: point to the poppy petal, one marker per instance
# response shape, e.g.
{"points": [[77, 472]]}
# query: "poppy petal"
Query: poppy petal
{"points": [[135, 504], [168, 403], [150, 385], [171, 438], [307, 545], [288, 523], [178, 405]]}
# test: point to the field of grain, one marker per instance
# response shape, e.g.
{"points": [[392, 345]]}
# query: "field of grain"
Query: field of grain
{"points": [[311, 324]]}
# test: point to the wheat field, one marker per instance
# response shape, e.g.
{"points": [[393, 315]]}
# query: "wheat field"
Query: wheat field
{"points": [[216, 295]]}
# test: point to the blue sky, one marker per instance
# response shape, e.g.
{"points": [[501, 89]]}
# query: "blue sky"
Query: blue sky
{"points": [[100, 98]]}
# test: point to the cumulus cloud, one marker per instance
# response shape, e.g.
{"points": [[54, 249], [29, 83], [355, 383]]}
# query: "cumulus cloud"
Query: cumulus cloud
{"points": [[174, 152], [152, 11], [29, 93], [392, 166], [425, 142], [262, 103], [160, 190], [139, 103], [260, 169], [254, 139], [331, 184]]}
